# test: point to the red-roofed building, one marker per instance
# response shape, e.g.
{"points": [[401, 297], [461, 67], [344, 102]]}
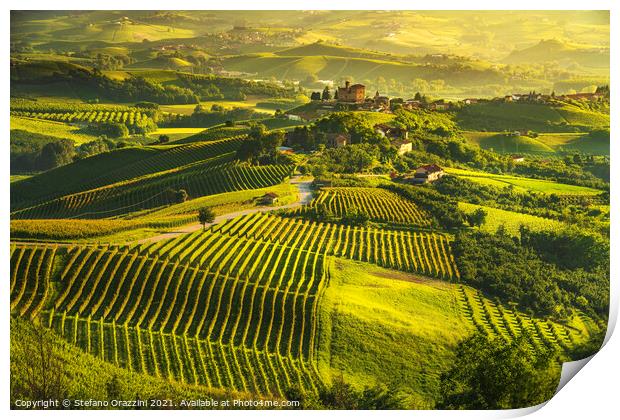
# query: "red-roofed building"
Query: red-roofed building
{"points": [[352, 93], [425, 174]]}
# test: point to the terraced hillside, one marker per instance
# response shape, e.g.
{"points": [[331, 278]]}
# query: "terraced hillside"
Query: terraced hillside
{"points": [[239, 306], [225, 323], [115, 166], [147, 179], [379, 204], [421, 252], [496, 320]]}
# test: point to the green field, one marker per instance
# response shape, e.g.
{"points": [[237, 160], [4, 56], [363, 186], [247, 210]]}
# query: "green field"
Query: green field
{"points": [[51, 128], [543, 118], [511, 220], [523, 184], [188, 109], [367, 311], [176, 133], [544, 143]]}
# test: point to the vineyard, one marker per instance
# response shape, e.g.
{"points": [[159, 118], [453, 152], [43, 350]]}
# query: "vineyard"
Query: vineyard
{"points": [[497, 321], [133, 118], [511, 220], [61, 107], [421, 252], [381, 205], [206, 314], [140, 178], [209, 176], [129, 118], [237, 306]]}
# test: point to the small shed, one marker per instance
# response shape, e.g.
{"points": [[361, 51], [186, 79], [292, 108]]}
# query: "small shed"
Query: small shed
{"points": [[269, 198]]}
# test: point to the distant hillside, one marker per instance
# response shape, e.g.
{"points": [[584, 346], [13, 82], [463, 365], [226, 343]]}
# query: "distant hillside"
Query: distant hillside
{"points": [[504, 143], [499, 116], [267, 65], [566, 54], [162, 63], [320, 48]]}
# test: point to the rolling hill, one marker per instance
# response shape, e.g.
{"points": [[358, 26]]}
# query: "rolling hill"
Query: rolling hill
{"points": [[562, 52], [544, 118]]}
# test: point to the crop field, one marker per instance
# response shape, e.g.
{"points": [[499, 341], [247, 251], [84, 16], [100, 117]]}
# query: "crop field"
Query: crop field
{"points": [[421, 252], [523, 184], [497, 321], [511, 220], [205, 177], [51, 128], [117, 166], [542, 118], [176, 133], [130, 118], [219, 321], [215, 133], [505, 143], [381, 205]]}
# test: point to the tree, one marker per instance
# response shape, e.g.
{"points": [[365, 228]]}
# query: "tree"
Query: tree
{"points": [[41, 368], [477, 217], [205, 215], [315, 96], [355, 216], [181, 196], [326, 96], [56, 154], [491, 374], [163, 138]]}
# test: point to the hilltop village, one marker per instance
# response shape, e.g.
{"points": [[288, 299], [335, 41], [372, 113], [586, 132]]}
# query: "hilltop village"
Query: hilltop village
{"points": [[353, 97]]}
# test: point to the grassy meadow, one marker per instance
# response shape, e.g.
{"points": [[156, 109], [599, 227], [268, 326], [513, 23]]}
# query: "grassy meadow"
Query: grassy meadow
{"points": [[511, 220], [522, 183], [404, 317]]}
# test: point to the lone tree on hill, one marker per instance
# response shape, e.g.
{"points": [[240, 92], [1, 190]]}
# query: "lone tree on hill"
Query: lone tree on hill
{"points": [[181, 196], [205, 215], [164, 138], [477, 218]]}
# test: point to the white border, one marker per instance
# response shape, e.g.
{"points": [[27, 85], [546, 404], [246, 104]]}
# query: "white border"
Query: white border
{"points": [[592, 394]]}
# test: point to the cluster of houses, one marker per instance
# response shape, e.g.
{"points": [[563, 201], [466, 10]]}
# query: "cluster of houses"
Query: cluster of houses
{"points": [[539, 97], [354, 96], [397, 136]]}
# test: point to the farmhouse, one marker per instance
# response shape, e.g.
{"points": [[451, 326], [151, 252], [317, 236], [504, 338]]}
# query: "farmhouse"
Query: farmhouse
{"points": [[517, 158], [269, 198], [403, 146], [391, 132], [425, 174], [338, 139], [412, 104], [439, 105], [351, 93]]}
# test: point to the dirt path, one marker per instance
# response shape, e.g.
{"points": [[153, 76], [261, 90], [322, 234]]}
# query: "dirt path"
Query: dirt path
{"points": [[305, 196]]}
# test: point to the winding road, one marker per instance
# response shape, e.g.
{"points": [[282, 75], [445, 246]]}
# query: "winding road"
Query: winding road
{"points": [[305, 196]]}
